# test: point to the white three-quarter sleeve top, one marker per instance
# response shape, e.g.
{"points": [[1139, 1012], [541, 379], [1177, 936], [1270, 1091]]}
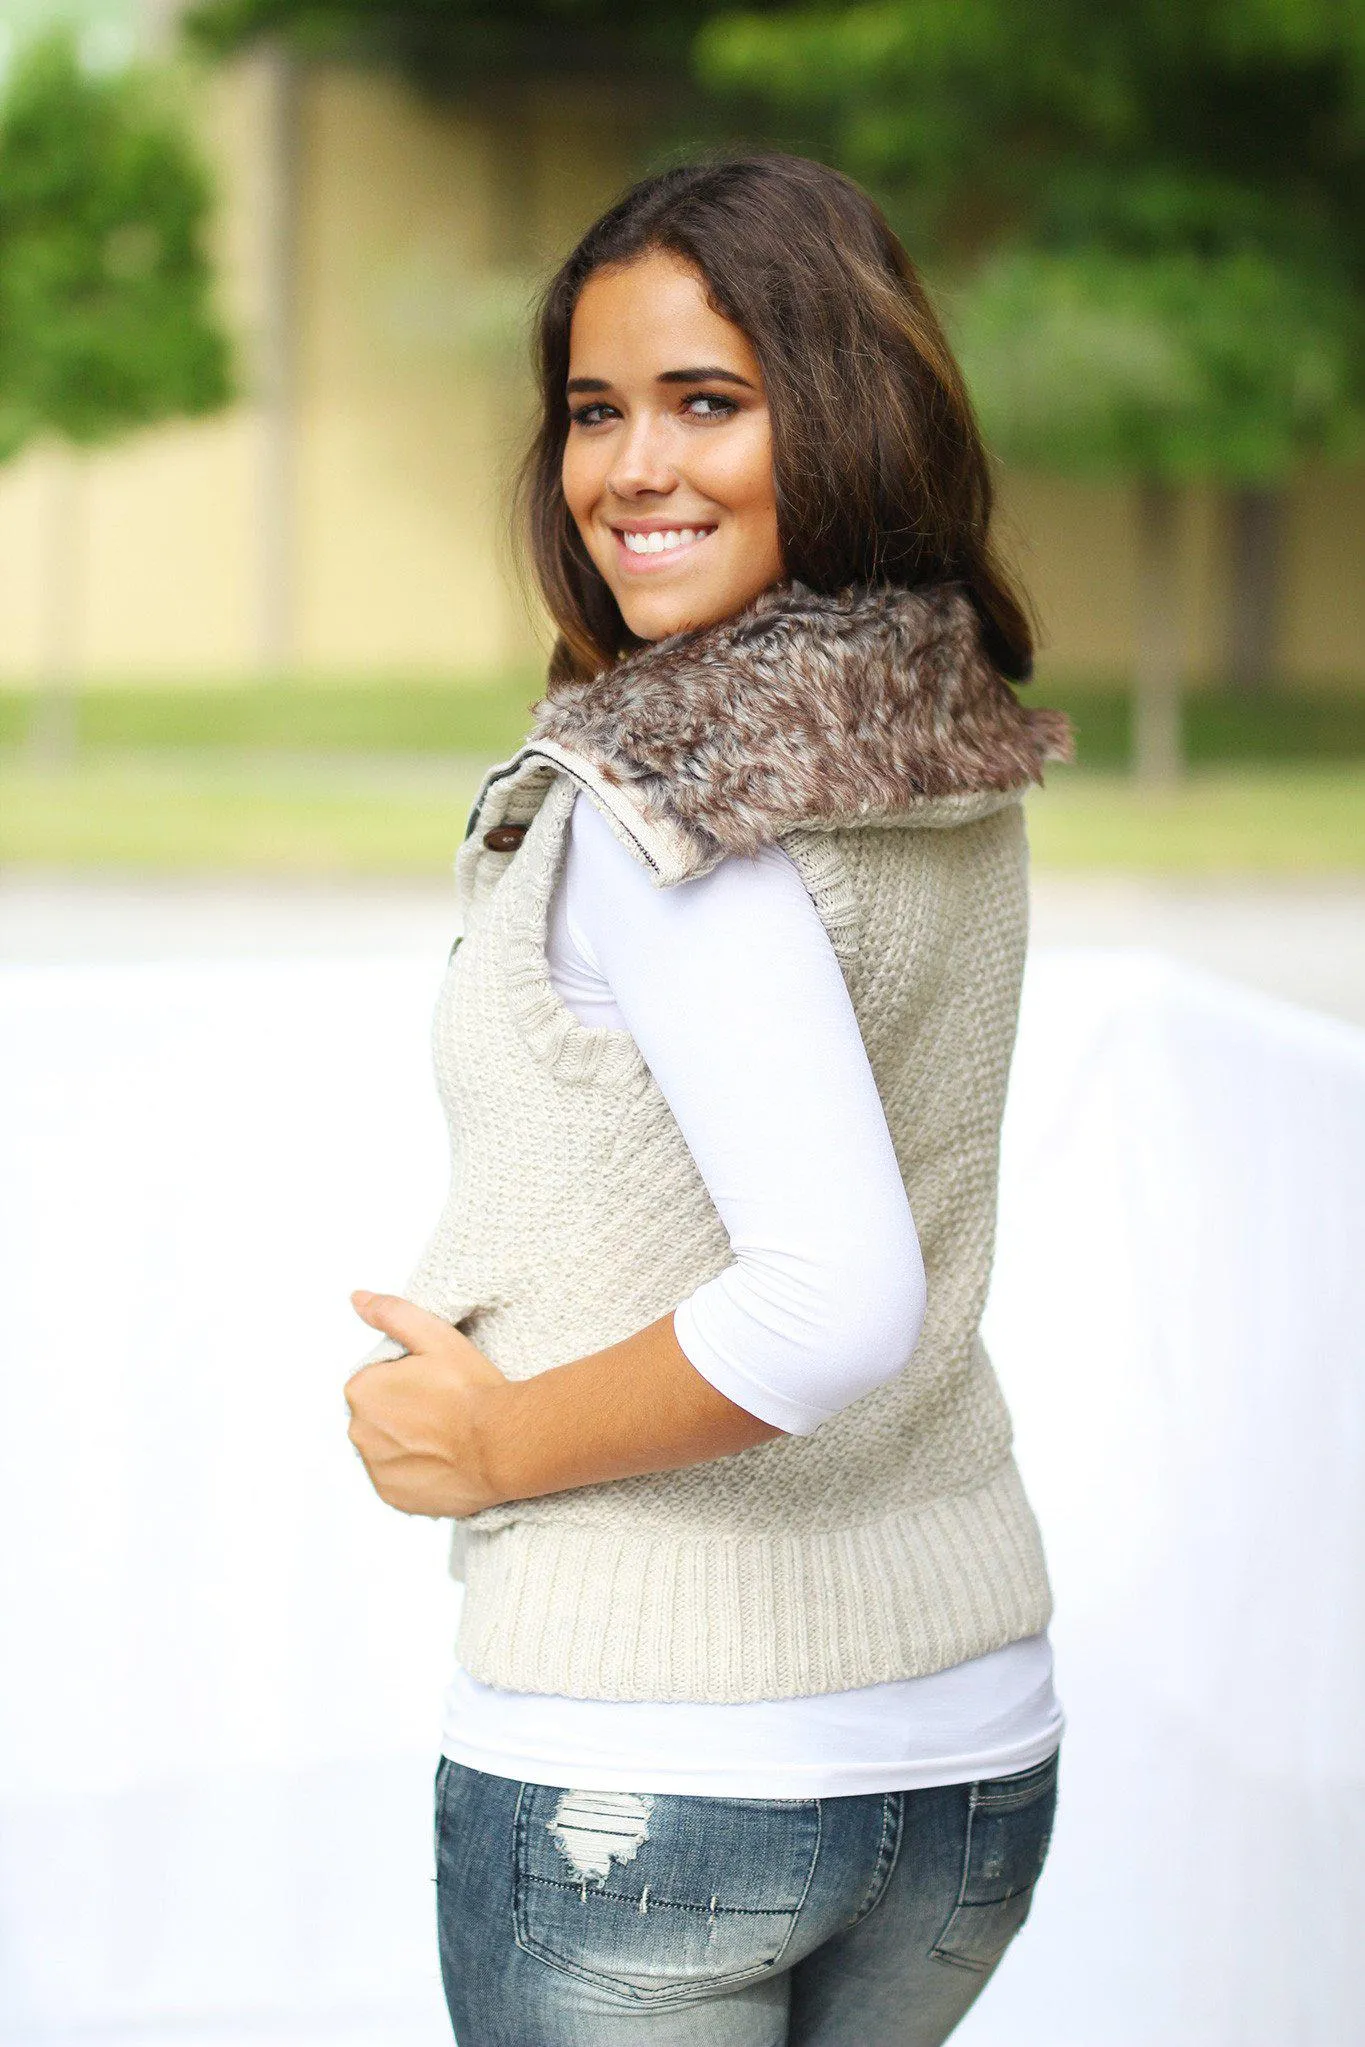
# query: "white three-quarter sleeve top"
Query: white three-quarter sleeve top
{"points": [[732, 991]]}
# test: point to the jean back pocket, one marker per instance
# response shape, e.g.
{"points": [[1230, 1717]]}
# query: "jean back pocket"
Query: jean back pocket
{"points": [[660, 1899], [1009, 1827]]}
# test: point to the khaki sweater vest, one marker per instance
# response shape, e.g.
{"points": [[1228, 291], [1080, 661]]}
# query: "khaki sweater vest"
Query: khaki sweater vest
{"points": [[897, 1539]]}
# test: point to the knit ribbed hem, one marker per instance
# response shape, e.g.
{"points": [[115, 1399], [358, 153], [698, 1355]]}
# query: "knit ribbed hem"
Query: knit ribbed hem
{"points": [[637, 1614]]}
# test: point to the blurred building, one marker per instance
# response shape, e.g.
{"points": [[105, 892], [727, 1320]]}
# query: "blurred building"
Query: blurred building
{"points": [[346, 517]]}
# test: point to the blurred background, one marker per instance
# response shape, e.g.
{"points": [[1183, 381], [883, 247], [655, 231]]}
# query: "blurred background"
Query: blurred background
{"points": [[265, 274]]}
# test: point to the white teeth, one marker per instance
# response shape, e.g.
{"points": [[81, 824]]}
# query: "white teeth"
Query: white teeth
{"points": [[662, 541]]}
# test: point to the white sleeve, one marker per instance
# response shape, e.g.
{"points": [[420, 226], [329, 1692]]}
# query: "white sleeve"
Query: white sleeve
{"points": [[731, 989]]}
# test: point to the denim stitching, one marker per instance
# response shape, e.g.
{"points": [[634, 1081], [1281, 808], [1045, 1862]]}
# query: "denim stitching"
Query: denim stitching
{"points": [[596, 1890], [445, 1770], [938, 1950], [1013, 1793], [805, 1889], [893, 1825], [979, 1797], [443, 1774], [631, 1994]]}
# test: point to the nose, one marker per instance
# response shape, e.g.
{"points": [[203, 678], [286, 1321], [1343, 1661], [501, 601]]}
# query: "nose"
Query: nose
{"points": [[641, 466]]}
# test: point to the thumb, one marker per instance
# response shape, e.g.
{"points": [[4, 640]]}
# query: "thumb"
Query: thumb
{"points": [[406, 1323]]}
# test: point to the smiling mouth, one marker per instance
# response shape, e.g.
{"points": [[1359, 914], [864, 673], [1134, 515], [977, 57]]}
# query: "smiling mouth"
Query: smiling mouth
{"points": [[659, 543]]}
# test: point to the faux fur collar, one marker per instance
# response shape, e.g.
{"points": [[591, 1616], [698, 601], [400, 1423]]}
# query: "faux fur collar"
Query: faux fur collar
{"points": [[806, 710]]}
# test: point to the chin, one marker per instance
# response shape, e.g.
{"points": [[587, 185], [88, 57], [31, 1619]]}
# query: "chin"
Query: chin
{"points": [[654, 617], [656, 621]]}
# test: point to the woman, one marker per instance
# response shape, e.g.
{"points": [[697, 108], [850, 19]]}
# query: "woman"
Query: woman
{"points": [[752, 1738]]}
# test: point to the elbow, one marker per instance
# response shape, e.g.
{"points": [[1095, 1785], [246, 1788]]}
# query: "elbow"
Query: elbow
{"points": [[881, 1297], [892, 1299], [796, 1337]]}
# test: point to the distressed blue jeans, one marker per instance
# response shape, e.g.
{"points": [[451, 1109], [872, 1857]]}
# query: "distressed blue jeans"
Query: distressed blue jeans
{"points": [[606, 1918]]}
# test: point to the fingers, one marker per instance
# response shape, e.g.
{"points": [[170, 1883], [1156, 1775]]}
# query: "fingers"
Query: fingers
{"points": [[406, 1323]]}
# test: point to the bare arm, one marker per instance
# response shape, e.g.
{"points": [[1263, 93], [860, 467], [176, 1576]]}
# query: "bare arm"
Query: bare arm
{"points": [[442, 1432]]}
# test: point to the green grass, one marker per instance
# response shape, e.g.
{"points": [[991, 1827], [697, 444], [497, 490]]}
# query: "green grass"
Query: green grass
{"points": [[236, 814], [168, 816], [488, 715], [1278, 727], [1284, 821], [483, 715]]}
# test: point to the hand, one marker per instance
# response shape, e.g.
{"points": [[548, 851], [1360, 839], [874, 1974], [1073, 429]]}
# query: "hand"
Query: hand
{"points": [[421, 1423]]}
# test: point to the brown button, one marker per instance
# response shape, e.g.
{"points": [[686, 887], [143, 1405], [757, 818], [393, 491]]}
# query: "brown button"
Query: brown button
{"points": [[504, 838]]}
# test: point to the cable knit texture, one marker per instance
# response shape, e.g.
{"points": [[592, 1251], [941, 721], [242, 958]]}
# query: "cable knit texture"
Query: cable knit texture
{"points": [[869, 736]]}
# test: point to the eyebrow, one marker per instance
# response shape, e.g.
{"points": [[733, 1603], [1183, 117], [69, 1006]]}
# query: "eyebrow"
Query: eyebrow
{"points": [[708, 373]]}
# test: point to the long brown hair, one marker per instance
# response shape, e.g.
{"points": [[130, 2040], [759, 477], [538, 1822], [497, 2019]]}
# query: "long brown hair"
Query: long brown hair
{"points": [[879, 471]]}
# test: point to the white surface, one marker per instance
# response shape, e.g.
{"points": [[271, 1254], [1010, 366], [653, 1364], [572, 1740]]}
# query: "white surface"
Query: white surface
{"points": [[1300, 939], [1303, 940], [1178, 1308], [224, 1657]]}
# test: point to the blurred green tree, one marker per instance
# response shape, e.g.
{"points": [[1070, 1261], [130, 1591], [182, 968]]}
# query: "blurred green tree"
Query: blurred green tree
{"points": [[462, 45], [1149, 223], [106, 322], [1165, 368]]}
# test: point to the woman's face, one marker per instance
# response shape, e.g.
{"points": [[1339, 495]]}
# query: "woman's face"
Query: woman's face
{"points": [[668, 466]]}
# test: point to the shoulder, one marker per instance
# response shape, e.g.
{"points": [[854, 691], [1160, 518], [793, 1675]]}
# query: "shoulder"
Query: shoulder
{"points": [[749, 911], [599, 854]]}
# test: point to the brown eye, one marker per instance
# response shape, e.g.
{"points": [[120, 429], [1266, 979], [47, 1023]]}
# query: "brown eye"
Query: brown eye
{"points": [[718, 407]]}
